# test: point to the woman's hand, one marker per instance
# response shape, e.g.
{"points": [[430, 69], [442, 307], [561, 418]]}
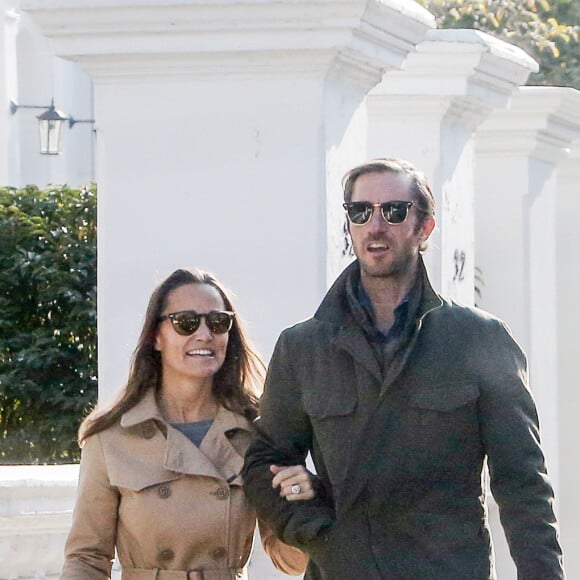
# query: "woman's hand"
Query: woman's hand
{"points": [[293, 481]]}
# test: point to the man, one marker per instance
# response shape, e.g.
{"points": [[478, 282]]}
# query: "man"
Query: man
{"points": [[400, 396]]}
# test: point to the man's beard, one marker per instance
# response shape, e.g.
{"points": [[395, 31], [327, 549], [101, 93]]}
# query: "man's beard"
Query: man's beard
{"points": [[400, 266]]}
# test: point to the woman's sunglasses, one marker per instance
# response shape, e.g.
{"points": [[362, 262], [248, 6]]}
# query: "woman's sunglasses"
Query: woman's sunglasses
{"points": [[187, 322], [394, 212]]}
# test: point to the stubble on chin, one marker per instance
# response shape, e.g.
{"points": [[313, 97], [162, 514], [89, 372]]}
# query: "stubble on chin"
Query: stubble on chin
{"points": [[392, 270]]}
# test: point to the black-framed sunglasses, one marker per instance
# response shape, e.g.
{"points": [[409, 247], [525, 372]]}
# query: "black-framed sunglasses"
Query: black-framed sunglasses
{"points": [[187, 322], [394, 212]]}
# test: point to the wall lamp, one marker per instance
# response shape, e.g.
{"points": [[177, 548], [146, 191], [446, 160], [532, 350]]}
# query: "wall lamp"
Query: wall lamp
{"points": [[50, 123]]}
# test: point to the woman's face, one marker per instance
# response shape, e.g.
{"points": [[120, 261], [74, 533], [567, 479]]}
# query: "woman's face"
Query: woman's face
{"points": [[197, 357]]}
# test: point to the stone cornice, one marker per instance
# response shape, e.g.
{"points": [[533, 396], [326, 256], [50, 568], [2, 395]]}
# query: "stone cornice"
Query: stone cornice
{"points": [[370, 34], [541, 121], [11, 13], [461, 63], [569, 170]]}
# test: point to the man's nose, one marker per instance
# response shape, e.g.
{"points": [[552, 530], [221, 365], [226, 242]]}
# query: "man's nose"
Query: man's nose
{"points": [[377, 222]]}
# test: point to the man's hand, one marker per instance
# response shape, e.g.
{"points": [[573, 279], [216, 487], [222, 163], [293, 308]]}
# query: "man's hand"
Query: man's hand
{"points": [[293, 481]]}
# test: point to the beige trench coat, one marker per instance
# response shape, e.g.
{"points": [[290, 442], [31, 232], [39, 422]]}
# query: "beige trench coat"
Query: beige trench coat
{"points": [[165, 504]]}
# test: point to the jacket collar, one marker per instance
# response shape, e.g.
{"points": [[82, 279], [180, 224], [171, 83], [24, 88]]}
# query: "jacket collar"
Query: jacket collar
{"points": [[350, 337], [335, 309], [147, 409], [216, 456]]}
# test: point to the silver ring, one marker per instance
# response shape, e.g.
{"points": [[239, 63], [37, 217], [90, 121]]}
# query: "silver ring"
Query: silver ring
{"points": [[296, 489]]}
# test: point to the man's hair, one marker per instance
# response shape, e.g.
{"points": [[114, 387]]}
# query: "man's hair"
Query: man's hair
{"points": [[418, 184]]}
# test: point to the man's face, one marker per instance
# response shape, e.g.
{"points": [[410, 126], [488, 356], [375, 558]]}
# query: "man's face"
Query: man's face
{"points": [[386, 250]]}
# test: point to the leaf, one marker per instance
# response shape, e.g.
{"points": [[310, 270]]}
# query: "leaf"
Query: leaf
{"points": [[48, 342]]}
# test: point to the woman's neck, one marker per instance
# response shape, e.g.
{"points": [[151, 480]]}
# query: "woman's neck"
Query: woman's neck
{"points": [[184, 404]]}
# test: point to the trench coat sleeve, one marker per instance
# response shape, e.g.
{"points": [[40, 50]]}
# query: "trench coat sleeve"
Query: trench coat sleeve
{"points": [[90, 546], [287, 559], [284, 437], [518, 476]]}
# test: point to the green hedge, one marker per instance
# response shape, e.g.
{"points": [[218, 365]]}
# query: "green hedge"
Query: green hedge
{"points": [[48, 333]]}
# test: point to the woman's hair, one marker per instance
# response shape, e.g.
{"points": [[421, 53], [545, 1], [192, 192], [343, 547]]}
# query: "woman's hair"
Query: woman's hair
{"points": [[236, 385]]}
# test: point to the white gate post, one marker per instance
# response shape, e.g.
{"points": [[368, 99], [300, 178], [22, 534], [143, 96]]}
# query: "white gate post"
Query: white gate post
{"points": [[219, 125], [427, 113], [519, 152]]}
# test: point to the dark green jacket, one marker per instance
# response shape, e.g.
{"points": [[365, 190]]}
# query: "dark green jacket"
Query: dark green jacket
{"points": [[399, 454]]}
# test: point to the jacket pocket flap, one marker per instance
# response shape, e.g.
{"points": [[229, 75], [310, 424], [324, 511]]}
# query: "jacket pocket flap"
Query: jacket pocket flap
{"points": [[446, 398], [138, 481], [322, 405]]}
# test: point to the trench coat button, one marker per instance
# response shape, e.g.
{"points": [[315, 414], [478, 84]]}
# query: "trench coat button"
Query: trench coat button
{"points": [[148, 431], [219, 553], [221, 493], [164, 491], [166, 555]]}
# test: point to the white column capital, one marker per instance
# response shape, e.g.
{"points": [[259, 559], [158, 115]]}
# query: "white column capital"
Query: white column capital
{"points": [[473, 71], [569, 170], [201, 36], [541, 122]]}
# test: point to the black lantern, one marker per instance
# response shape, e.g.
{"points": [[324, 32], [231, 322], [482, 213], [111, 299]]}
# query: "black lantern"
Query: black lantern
{"points": [[50, 123], [50, 127]]}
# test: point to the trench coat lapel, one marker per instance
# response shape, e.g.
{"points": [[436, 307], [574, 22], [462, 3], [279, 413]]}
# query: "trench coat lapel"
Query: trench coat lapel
{"points": [[216, 457], [217, 447]]}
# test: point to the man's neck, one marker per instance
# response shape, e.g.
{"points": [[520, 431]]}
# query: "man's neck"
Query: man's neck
{"points": [[386, 293]]}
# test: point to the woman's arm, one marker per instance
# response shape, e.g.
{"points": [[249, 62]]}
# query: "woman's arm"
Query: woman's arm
{"points": [[287, 559], [90, 546]]}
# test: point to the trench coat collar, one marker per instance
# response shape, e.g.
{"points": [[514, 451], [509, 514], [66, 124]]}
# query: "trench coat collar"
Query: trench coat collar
{"points": [[335, 310], [215, 457]]}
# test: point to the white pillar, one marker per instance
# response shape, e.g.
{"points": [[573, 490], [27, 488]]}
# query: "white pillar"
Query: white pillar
{"points": [[518, 154], [568, 318], [427, 113], [8, 24], [215, 124]]}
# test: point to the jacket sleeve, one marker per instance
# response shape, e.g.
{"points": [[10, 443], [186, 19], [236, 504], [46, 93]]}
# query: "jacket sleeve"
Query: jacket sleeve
{"points": [[90, 546], [284, 437], [518, 475], [287, 559]]}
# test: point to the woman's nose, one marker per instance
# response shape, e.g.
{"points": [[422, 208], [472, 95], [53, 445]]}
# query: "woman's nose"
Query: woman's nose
{"points": [[203, 332]]}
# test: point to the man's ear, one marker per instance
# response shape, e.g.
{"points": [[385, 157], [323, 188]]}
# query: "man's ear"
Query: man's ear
{"points": [[427, 228]]}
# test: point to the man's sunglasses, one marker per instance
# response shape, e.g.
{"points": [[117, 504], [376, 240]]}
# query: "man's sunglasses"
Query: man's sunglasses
{"points": [[187, 322], [394, 212]]}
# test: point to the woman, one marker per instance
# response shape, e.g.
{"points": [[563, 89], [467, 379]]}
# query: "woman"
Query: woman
{"points": [[160, 470]]}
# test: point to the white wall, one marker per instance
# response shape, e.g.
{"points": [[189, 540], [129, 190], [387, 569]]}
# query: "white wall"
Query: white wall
{"points": [[524, 215], [235, 200], [568, 323], [30, 74]]}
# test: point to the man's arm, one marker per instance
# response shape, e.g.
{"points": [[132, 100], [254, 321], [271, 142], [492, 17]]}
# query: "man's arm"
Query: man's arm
{"points": [[519, 481], [284, 438]]}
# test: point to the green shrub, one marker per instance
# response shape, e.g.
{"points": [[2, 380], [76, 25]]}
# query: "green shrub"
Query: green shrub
{"points": [[48, 334]]}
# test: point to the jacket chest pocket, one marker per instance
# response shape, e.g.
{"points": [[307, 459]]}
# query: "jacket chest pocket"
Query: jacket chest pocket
{"points": [[442, 424], [331, 416]]}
